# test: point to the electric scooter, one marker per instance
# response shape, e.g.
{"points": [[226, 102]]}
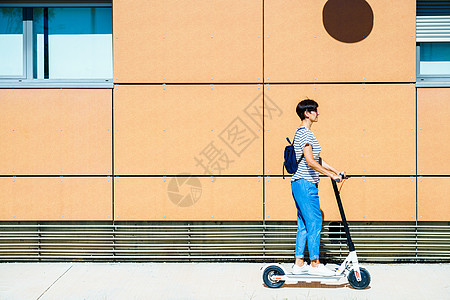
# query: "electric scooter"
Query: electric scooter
{"points": [[275, 275]]}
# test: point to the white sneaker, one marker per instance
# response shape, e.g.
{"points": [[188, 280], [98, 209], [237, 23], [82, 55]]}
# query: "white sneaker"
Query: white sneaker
{"points": [[296, 270], [320, 270]]}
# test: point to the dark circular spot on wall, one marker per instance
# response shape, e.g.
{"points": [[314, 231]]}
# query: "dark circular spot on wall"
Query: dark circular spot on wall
{"points": [[348, 21]]}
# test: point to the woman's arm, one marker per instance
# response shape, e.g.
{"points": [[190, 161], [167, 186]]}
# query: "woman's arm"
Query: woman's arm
{"points": [[307, 152], [328, 167]]}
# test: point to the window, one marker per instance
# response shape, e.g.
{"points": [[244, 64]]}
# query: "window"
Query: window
{"points": [[12, 40], [433, 43], [435, 59], [66, 42]]}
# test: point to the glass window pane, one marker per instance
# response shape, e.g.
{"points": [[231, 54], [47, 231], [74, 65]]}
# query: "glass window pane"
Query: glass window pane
{"points": [[11, 42], [435, 58], [79, 43]]}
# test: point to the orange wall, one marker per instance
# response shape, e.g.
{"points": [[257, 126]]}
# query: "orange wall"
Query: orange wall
{"points": [[183, 41], [364, 199], [57, 198], [432, 198], [364, 129], [433, 142], [225, 117], [55, 132], [299, 48], [433, 146], [174, 129], [188, 198]]}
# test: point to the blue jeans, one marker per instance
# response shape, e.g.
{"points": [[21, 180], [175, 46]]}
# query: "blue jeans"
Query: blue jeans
{"points": [[309, 218]]}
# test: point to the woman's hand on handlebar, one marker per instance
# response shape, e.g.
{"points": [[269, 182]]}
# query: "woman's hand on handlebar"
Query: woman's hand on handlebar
{"points": [[337, 178]]}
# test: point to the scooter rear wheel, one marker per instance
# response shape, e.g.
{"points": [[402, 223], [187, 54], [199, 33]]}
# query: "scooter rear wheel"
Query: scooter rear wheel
{"points": [[359, 285], [273, 271]]}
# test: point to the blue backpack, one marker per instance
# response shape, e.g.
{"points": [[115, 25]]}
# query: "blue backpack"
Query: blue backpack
{"points": [[290, 161]]}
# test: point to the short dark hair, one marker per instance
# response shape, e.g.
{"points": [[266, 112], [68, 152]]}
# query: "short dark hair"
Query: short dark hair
{"points": [[306, 105]]}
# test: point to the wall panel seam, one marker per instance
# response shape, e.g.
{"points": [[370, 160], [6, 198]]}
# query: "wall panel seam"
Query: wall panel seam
{"points": [[273, 83]]}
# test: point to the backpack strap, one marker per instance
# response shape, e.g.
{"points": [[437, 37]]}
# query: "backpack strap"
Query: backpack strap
{"points": [[294, 148]]}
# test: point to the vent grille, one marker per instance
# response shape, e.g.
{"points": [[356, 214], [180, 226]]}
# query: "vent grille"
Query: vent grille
{"points": [[216, 241], [433, 21]]}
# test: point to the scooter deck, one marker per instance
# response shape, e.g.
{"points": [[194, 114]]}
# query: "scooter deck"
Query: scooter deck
{"points": [[308, 277]]}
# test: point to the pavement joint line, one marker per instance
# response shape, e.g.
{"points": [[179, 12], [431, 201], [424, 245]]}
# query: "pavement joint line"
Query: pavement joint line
{"points": [[54, 282]]}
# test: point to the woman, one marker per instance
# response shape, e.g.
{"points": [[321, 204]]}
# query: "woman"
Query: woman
{"points": [[304, 185]]}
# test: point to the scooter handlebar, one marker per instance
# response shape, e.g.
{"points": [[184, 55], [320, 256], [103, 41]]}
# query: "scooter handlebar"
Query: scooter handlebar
{"points": [[343, 177]]}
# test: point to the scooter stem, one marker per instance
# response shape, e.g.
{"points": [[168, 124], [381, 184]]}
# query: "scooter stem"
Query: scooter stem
{"points": [[351, 247]]}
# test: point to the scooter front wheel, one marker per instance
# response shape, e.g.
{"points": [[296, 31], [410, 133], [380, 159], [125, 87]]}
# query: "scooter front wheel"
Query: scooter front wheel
{"points": [[273, 271], [359, 285]]}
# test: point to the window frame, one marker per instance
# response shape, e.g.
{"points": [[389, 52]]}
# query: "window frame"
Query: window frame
{"points": [[27, 80], [426, 12], [429, 80]]}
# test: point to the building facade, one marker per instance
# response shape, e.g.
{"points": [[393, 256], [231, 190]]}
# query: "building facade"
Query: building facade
{"points": [[155, 130]]}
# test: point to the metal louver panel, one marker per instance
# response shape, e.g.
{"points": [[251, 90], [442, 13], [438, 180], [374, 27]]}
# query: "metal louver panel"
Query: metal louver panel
{"points": [[433, 21], [216, 241]]}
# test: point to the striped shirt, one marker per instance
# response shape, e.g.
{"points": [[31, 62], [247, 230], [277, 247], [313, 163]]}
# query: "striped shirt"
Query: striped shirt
{"points": [[304, 136]]}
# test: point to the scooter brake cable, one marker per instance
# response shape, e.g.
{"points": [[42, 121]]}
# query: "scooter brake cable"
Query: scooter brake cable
{"points": [[341, 186]]}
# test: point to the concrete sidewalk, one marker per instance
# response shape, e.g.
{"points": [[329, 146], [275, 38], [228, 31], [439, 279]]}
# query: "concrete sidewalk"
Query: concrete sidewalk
{"points": [[108, 281]]}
